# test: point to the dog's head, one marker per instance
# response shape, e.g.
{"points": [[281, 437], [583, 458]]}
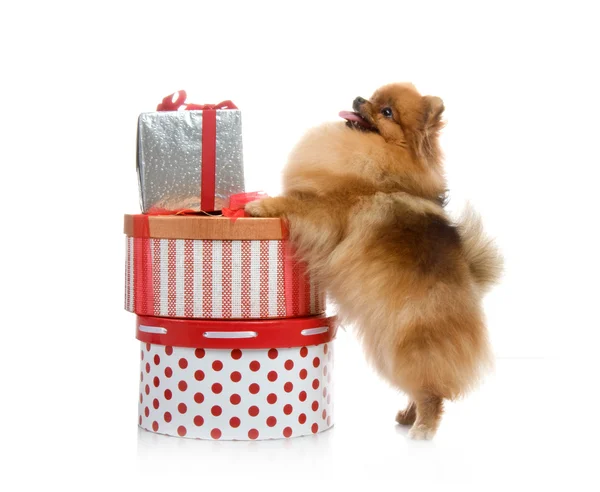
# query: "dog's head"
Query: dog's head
{"points": [[400, 115]]}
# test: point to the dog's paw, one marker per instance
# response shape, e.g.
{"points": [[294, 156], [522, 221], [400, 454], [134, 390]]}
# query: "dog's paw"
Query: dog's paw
{"points": [[407, 416], [421, 433], [257, 208], [267, 207]]}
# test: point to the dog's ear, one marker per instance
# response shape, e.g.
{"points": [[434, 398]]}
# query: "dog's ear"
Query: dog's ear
{"points": [[426, 142], [433, 107]]}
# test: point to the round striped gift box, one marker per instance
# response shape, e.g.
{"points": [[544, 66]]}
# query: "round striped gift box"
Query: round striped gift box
{"points": [[236, 380], [215, 267]]}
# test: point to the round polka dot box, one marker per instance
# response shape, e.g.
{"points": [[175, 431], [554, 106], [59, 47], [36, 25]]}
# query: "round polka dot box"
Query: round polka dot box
{"points": [[247, 380]]}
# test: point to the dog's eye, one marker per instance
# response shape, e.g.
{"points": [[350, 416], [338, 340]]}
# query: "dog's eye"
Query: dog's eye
{"points": [[387, 112]]}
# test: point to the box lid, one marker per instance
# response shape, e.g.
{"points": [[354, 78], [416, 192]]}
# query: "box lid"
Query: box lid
{"points": [[204, 227], [247, 334]]}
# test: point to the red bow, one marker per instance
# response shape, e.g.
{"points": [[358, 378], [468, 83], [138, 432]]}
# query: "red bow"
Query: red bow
{"points": [[238, 202], [176, 100]]}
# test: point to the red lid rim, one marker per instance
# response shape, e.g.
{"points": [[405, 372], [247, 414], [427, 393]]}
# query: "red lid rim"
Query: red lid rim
{"points": [[229, 334]]}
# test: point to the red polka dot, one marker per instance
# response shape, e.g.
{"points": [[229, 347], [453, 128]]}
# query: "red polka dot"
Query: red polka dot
{"points": [[303, 374], [217, 388], [155, 403], [141, 376], [236, 377], [141, 398], [236, 354], [168, 394], [156, 381], [303, 352], [182, 385], [215, 434], [147, 367], [217, 365], [156, 359], [273, 354], [302, 396], [288, 387], [198, 397], [289, 364], [200, 353], [168, 372], [216, 410], [199, 375], [271, 421], [325, 348], [316, 362], [148, 347], [168, 350], [288, 409], [325, 371], [147, 389], [253, 411], [272, 376], [142, 354], [155, 426], [315, 384], [254, 388], [146, 411], [234, 422], [254, 365], [181, 430], [315, 428], [235, 399], [253, 434], [324, 414], [315, 405], [324, 392], [183, 363], [168, 417], [140, 420], [182, 407], [272, 398], [287, 432], [302, 418], [329, 421], [198, 420]]}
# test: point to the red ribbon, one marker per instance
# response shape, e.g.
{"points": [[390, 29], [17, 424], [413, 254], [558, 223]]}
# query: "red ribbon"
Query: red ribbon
{"points": [[175, 102], [238, 202], [142, 266]]}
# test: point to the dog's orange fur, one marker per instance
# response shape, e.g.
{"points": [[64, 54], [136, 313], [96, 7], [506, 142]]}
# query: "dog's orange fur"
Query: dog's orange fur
{"points": [[365, 210]]}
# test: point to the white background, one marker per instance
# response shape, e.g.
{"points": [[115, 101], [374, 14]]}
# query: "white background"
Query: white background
{"points": [[520, 87]]}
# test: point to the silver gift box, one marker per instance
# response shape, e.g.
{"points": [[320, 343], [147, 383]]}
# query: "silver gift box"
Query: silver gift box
{"points": [[169, 159]]}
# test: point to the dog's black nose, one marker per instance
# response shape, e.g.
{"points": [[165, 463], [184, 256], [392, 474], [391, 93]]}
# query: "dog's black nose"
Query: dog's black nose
{"points": [[357, 102]]}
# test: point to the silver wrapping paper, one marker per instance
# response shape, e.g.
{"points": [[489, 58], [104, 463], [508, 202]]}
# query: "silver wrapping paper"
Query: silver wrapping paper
{"points": [[169, 159]]}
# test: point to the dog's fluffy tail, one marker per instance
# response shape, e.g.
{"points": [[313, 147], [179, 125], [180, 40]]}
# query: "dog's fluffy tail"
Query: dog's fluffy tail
{"points": [[485, 261]]}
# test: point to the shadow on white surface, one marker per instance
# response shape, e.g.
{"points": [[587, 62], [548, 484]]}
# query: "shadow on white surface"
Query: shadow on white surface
{"points": [[152, 445]]}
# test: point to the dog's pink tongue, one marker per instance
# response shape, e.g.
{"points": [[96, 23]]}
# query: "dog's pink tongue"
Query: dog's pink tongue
{"points": [[351, 116]]}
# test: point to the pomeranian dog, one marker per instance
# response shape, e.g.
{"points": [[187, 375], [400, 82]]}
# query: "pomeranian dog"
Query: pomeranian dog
{"points": [[364, 200]]}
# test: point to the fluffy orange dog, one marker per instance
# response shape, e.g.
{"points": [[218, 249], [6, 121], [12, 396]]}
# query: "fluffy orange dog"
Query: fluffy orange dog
{"points": [[365, 204]]}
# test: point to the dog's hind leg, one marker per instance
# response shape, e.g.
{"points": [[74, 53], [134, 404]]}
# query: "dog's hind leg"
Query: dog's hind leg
{"points": [[408, 415], [429, 414]]}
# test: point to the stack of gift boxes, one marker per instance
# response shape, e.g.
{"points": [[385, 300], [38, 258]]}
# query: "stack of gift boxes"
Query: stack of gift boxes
{"points": [[234, 340]]}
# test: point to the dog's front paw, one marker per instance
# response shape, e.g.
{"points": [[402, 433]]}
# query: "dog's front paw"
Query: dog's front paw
{"points": [[421, 433], [256, 209], [267, 207]]}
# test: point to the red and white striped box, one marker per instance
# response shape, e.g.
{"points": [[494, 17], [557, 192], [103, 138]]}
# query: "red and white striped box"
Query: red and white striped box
{"points": [[236, 380], [214, 267]]}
